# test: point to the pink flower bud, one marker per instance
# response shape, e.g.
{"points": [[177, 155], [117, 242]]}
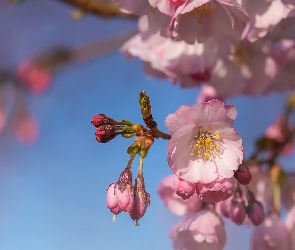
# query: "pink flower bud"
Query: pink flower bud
{"points": [[237, 211], [125, 191], [141, 199], [255, 212], [101, 119], [125, 196], [243, 175], [183, 188], [105, 133], [225, 207], [112, 202], [176, 3]]}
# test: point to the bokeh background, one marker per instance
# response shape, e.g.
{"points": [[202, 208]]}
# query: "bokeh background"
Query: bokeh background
{"points": [[52, 193]]}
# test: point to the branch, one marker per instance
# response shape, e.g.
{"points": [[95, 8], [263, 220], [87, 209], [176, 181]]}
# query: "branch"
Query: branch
{"points": [[101, 8]]}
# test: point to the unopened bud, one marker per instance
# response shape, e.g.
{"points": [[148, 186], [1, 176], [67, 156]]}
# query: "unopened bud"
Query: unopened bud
{"points": [[243, 175], [255, 213], [105, 133], [237, 211], [112, 202], [141, 199], [101, 119]]}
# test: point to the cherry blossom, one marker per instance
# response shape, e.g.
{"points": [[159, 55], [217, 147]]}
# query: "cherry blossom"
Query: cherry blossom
{"points": [[271, 234], [202, 230], [204, 145]]}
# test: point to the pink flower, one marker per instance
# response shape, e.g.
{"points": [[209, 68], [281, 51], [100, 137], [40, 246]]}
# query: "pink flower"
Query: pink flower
{"points": [[188, 64], [174, 203], [263, 16], [279, 131], [183, 188], [216, 191], [204, 145], [270, 235], [290, 224], [120, 195], [219, 19], [35, 77], [112, 201], [202, 230]]}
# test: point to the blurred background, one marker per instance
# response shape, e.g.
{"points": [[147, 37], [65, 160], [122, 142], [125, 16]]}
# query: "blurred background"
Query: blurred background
{"points": [[52, 191]]}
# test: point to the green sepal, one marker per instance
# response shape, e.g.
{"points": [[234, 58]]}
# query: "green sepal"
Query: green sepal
{"points": [[143, 153], [126, 122], [128, 135], [133, 150]]}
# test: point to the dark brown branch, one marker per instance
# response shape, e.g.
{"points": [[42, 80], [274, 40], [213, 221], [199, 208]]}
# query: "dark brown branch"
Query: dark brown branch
{"points": [[101, 8]]}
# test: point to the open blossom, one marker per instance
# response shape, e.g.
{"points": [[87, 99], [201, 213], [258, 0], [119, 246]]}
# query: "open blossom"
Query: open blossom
{"points": [[263, 15], [204, 145], [202, 230], [270, 235], [188, 64], [218, 19], [175, 203]]}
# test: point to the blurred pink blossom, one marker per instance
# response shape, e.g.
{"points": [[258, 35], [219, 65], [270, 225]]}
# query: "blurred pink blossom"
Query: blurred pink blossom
{"points": [[270, 235], [202, 230], [35, 77], [290, 224]]}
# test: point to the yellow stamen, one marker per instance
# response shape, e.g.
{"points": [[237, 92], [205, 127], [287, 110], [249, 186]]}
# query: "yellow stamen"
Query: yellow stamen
{"points": [[204, 10], [205, 144]]}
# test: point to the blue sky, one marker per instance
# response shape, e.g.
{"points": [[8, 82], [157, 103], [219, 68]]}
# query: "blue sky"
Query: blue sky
{"points": [[52, 194]]}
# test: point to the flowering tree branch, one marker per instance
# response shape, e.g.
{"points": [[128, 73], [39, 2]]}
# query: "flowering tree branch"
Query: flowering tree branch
{"points": [[101, 8]]}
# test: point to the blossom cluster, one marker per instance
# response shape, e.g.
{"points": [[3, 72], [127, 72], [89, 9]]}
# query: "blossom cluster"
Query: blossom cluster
{"points": [[236, 46]]}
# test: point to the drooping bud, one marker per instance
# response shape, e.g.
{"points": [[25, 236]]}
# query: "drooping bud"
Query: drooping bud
{"points": [[255, 213], [112, 202], [101, 119], [254, 210], [141, 199], [125, 191], [105, 133], [237, 211], [183, 189], [243, 175], [225, 207]]}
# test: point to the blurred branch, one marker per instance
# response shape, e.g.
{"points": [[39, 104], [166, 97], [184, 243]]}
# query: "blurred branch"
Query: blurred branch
{"points": [[101, 8]]}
